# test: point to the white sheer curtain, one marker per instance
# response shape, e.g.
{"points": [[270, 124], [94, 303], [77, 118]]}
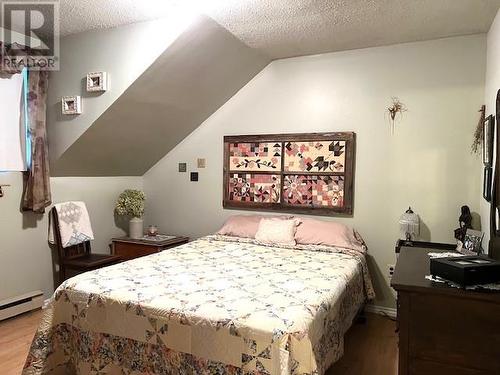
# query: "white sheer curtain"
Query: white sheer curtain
{"points": [[12, 132]]}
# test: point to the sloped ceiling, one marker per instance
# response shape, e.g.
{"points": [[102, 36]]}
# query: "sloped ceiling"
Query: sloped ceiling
{"points": [[196, 74]]}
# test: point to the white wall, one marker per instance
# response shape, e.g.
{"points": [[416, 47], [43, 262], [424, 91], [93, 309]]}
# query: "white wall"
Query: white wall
{"points": [[427, 163], [492, 85], [25, 257]]}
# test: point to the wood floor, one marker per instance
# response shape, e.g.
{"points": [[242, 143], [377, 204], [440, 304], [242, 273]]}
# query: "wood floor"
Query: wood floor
{"points": [[370, 349], [15, 339]]}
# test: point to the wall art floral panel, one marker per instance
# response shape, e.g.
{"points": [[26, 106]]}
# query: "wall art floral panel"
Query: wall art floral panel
{"points": [[311, 172], [255, 156], [315, 156], [314, 191], [254, 188]]}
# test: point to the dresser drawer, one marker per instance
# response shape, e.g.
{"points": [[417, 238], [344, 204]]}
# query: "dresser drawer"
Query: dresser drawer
{"points": [[450, 332], [422, 367]]}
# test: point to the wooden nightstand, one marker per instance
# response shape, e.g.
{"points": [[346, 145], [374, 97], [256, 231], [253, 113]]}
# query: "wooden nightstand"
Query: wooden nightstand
{"points": [[129, 248]]}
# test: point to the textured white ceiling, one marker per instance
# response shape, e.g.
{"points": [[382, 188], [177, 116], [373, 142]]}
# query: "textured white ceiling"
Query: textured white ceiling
{"points": [[285, 28], [83, 15]]}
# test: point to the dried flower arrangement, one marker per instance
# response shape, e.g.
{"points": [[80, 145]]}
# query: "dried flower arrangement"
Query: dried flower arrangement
{"points": [[396, 107], [477, 143], [130, 203]]}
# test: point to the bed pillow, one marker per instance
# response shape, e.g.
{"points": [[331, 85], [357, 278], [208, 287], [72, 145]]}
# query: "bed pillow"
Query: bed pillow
{"points": [[275, 231], [244, 225], [329, 233]]}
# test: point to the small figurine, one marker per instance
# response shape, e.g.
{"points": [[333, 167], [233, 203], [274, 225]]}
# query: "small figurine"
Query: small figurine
{"points": [[465, 222]]}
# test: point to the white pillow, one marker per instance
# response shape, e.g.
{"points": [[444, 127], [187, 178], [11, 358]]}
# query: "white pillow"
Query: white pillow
{"points": [[277, 231]]}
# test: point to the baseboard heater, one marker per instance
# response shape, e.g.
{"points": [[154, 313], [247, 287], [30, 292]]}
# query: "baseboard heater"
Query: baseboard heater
{"points": [[20, 304]]}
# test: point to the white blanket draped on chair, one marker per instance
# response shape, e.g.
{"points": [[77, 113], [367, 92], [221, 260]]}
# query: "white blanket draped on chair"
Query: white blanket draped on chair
{"points": [[74, 223]]}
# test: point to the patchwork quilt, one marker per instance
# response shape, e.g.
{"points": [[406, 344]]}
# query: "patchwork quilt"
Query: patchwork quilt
{"points": [[218, 305]]}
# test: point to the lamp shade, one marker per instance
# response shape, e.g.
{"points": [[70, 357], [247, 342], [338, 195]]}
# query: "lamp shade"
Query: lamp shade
{"points": [[409, 225]]}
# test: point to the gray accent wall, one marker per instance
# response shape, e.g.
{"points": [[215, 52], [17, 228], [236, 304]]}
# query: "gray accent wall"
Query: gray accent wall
{"points": [[204, 67], [124, 53]]}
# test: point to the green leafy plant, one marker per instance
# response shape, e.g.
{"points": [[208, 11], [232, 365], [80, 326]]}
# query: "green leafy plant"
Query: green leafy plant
{"points": [[130, 203]]}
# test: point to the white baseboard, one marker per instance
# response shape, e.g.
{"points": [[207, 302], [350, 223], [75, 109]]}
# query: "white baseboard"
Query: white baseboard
{"points": [[20, 304], [381, 310]]}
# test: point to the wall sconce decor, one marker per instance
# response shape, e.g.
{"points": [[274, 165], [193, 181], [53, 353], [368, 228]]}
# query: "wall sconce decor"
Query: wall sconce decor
{"points": [[71, 105], [396, 108], [97, 81], [479, 132]]}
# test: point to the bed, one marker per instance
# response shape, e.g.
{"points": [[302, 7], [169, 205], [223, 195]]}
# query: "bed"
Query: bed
{"points": [[217, 305]]}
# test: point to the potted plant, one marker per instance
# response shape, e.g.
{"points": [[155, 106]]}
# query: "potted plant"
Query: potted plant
{"points": [[130, 203]]}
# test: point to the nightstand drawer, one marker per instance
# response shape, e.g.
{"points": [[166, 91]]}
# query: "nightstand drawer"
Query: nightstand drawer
{"points": [[128, 248]]}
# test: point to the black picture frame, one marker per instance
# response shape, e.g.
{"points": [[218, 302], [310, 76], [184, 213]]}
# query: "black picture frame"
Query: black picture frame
{"points": [[488, 129], [487, 178]]}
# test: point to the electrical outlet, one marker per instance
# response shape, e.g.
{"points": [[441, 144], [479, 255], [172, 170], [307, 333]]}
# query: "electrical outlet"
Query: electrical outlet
{"points": [[390, 270]]}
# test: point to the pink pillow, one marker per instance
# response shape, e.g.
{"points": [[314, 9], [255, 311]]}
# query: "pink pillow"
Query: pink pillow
{"points": [[244, 225], [329, 233]]}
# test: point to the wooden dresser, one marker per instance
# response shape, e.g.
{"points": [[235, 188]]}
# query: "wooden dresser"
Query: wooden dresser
{"points": [[128, 248], [443, 330]]}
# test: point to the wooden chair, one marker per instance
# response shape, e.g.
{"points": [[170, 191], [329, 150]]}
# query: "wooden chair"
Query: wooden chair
{"points": [[78, 257]]}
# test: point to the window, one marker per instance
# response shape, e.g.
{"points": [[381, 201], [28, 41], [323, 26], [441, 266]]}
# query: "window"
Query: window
{"points": [[14, 148]]}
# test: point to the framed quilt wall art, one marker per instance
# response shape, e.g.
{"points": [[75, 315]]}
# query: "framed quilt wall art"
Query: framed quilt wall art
{"points": [[310, 173]]}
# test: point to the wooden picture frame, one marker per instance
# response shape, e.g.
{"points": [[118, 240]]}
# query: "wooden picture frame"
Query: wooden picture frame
{"points": [[309, 173], [488, 129], [487, 179]]}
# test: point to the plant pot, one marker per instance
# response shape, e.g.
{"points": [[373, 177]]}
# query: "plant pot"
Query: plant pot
{"points": [[135, 228]]}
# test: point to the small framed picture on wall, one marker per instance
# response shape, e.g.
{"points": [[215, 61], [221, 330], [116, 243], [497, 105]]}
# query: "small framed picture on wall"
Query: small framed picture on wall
{"points": [[488, 129], [71, 105], [487, 176], [97, 82]]}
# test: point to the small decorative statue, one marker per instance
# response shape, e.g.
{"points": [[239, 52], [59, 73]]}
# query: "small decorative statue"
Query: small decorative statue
{"points": [[465, 222]]}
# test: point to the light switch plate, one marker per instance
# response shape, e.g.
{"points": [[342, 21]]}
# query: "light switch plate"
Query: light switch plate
{"points": [[202, 163]]}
